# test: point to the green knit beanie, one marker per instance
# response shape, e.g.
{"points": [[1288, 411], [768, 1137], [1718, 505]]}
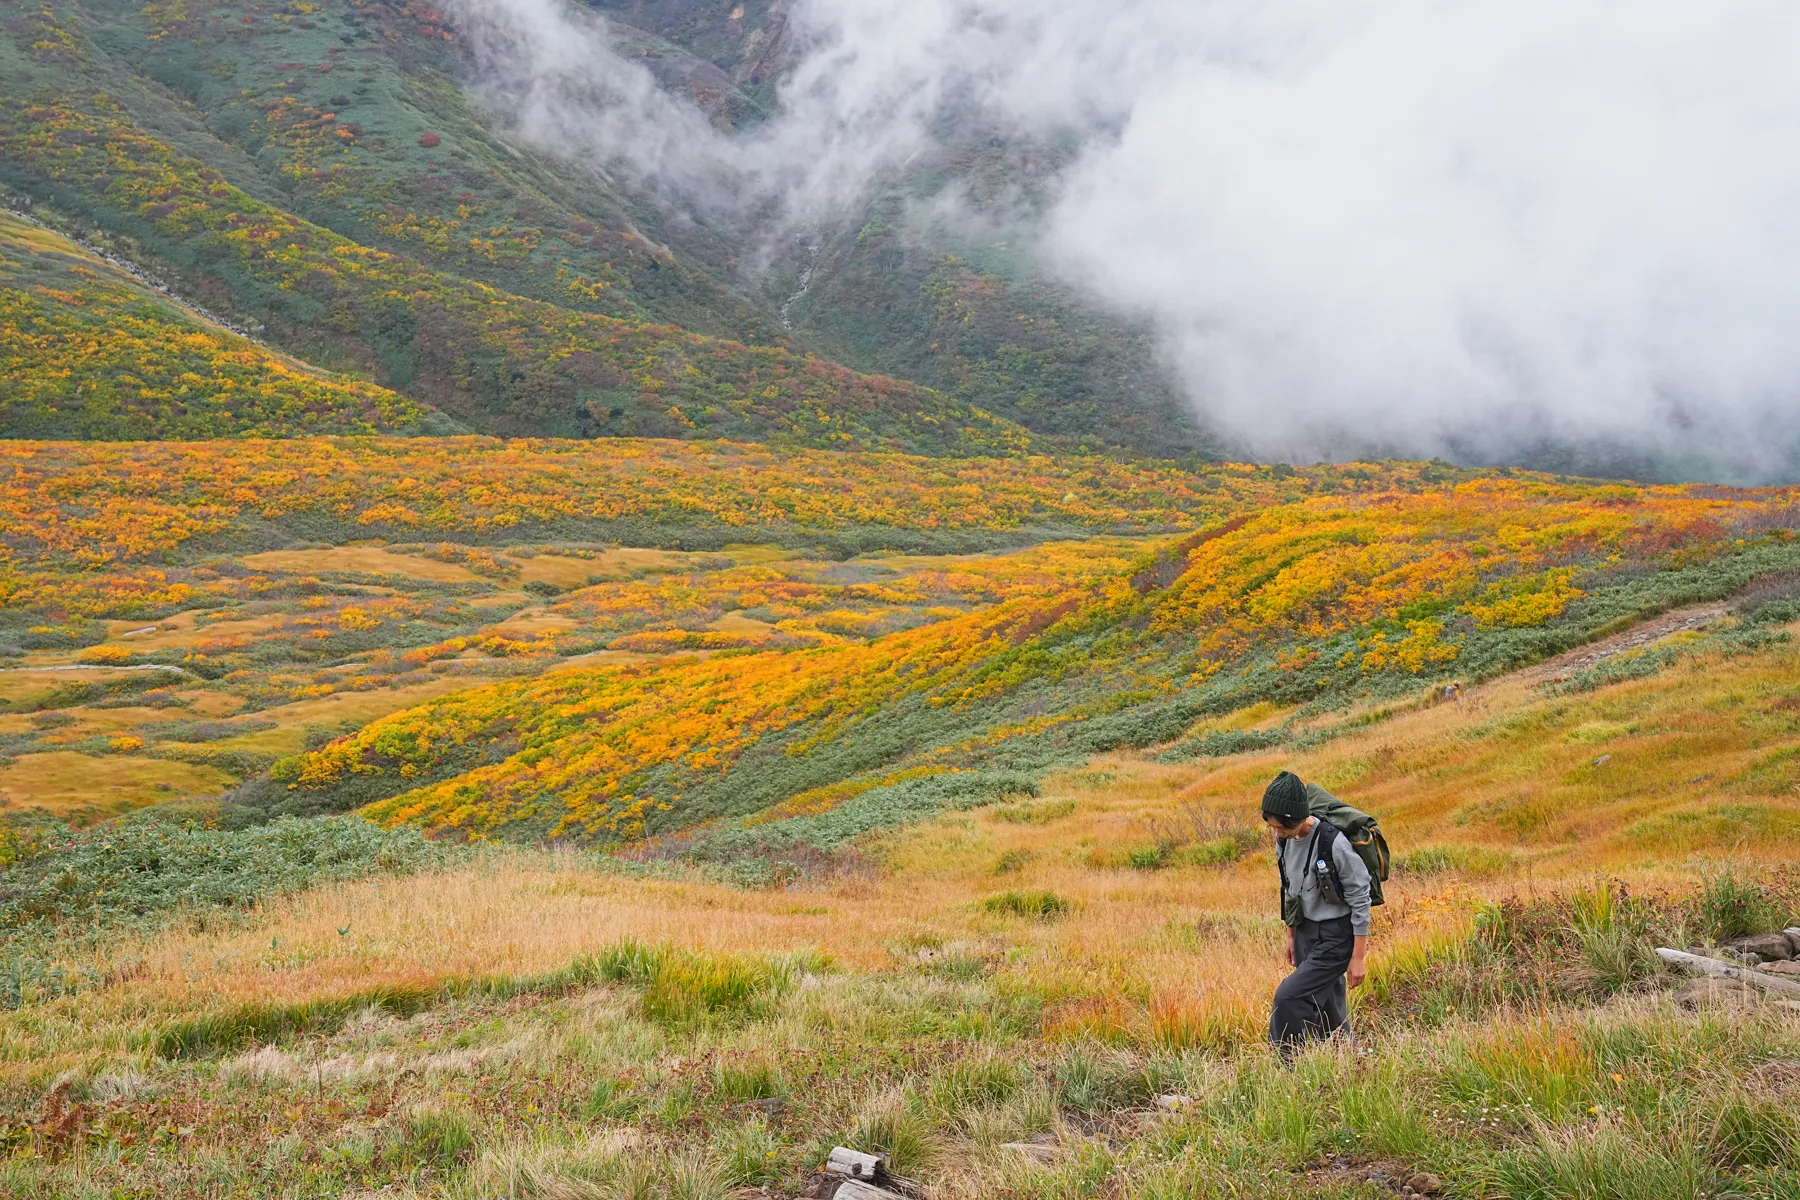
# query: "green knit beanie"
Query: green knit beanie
{"points": [[1285, 799]]}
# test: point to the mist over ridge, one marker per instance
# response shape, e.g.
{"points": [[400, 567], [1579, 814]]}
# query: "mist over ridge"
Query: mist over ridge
{"points": [[1486, 231]]}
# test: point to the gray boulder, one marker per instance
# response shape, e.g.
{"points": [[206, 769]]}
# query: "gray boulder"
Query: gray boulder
{"points": [[1711, 993], [1770, 947]]}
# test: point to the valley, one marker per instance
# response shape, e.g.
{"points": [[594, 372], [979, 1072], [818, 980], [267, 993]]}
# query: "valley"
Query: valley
{"points": [[925, 826], [524, 676]]}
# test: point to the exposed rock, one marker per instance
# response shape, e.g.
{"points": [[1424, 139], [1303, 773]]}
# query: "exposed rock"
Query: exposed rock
{"points": [[1034, 1151], [1728, 994], [1781, 968], [1174, 1103], [856, 1189], [1426, 1184], [1772, 946]]}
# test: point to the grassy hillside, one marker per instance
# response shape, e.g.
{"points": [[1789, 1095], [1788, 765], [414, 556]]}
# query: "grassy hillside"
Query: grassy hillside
{"points": [[984, 736], [90, 352], [1308, 607], [499, 362], [318, 171], [176, 616], [543, 638], [1037, 969]]}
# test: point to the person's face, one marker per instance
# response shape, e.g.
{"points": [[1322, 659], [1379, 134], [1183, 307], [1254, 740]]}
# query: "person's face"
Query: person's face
{"points": [[1283, 829]]}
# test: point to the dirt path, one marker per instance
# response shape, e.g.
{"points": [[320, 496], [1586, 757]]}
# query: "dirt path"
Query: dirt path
{"points": [[1567, 664]]}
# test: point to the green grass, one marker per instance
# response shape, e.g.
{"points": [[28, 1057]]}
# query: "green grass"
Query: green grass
{"points": [[1733, 903], [1437, 860], [1041, 906]]}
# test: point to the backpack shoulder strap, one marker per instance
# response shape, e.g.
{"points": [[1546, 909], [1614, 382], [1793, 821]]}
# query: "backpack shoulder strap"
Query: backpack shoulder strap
{"points": [[1324, 835]]}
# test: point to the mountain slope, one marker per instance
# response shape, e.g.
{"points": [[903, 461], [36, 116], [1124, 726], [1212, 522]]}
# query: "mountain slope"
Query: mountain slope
{"points": [[90, 352], [499, 362], [1309, 604], [959, 304], [324, 171]]}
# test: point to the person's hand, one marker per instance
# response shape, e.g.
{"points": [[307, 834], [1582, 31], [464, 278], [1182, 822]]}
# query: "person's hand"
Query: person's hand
{"points": [[1358, 972], [1289, 952]]}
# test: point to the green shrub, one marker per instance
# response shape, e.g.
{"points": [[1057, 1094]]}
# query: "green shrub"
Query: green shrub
{"points": [[1620, 669], [1012, 861], [114, 873], [796, 839], [1042, 906], [1224, 743]]}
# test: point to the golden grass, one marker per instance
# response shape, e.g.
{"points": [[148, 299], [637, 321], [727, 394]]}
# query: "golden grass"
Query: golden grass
{"points": [[21, 686], [82, 788], [565, 573], [89, 721], [371, 560], [171, 633], [531, 622], [738, 623], [1180, 956], [292, 720]]}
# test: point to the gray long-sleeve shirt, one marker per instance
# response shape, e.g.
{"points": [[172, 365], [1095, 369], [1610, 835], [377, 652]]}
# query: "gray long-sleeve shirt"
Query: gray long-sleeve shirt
{"points": [[1353, 878]]}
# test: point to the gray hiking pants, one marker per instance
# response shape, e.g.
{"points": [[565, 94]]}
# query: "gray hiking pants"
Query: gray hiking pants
{"points": [[1313, 1002]]}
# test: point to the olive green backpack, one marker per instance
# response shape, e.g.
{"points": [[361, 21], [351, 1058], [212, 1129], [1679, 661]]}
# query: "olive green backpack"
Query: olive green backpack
{"points": [[1364, 834]]}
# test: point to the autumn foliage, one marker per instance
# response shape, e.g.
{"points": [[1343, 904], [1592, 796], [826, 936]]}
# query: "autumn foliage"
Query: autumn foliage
{"points": [[1310, 598], [90, 353]]}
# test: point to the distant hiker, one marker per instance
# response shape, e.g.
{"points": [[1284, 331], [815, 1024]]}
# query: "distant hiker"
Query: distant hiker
{"points": [[1453, 692], [1326, 891]]}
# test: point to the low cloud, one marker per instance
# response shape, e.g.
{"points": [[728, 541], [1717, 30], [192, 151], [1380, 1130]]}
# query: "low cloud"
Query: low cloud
{"points": [[1421, 226]]}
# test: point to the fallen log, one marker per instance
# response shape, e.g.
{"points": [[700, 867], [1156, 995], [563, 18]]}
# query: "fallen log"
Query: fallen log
{"points": [[1701, 965], [853, 1164], [866, 1177]]}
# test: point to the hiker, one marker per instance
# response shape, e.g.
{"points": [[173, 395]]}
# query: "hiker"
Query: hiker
{"points": [[1325, 898]]}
